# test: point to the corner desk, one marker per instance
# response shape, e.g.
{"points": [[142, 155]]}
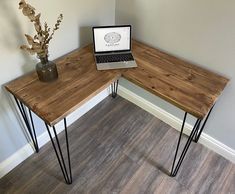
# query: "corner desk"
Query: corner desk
{"points": [[189, 87]]}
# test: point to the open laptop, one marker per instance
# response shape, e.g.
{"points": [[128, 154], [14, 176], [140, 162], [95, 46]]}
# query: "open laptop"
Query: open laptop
{"points": [[112, 47]]}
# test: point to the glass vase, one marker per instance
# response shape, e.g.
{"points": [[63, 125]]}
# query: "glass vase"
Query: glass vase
{"points": [[46, 70]]}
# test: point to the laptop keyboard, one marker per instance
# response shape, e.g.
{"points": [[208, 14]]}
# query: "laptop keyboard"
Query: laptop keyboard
{"points": [[114, 58]]}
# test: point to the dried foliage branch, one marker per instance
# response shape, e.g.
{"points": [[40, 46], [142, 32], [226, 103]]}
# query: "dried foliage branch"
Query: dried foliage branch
{"points": [[38, 44]]}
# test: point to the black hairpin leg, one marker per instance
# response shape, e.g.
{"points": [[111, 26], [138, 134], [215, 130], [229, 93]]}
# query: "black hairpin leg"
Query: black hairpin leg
{"points": [[114, 88], [194, 136], [67, 173], [175, 169], [29, 124], [199, 131]]}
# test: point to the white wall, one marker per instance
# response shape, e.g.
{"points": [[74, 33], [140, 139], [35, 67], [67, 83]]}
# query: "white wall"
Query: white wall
{"points": [[200, 31], [74, 32]]}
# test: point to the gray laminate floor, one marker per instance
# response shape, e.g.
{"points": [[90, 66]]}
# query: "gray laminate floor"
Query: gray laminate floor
{"points": [[119, 148]]}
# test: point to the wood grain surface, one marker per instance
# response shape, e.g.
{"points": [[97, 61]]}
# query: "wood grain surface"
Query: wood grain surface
{"points": [[78, 82], [119, 148], [187, 86]]}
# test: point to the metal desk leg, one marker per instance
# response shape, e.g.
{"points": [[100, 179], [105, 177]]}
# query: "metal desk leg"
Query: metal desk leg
{"points": [[66, 172], [175, 169], [194, 136], [199, 131], [30, 126], [114, 88]]}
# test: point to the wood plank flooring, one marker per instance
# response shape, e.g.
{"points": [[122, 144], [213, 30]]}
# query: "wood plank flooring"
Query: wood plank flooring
{"points": [[119, 148]]}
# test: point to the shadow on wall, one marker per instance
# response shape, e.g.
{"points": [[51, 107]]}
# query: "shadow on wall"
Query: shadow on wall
{"points": [[13, 36], [134, 16], [8, 120], [85, 36]]}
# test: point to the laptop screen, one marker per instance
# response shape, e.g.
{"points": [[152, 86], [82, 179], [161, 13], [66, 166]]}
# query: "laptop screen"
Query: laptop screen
{"points": [[111, 39]]}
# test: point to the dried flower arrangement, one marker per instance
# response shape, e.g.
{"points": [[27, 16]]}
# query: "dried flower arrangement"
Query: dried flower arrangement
{"points": [[40, 42]]}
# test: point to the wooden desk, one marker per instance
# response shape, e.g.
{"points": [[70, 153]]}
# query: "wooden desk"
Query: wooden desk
{"points": [[191, 88], [78, 82]]}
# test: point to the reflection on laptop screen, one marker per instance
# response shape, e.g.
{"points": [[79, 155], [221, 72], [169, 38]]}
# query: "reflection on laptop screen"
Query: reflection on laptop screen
{"points": [[112, 39]]}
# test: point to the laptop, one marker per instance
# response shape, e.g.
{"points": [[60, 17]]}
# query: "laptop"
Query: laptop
{"points": [[112, 47]]}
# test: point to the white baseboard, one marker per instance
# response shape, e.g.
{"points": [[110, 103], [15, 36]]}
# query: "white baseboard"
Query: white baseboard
{"points": [[15, 159], [176, 123]]}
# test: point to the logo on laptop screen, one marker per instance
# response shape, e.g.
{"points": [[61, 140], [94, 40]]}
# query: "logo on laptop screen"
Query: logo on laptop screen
{"points": [[112, 38]]}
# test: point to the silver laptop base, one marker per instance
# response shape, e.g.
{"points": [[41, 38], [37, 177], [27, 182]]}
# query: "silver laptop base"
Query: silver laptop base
{"points": [[116, 65]]}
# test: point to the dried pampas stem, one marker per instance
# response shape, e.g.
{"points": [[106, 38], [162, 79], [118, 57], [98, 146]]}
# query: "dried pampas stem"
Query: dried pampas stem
{"points": [[38, 44]]}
